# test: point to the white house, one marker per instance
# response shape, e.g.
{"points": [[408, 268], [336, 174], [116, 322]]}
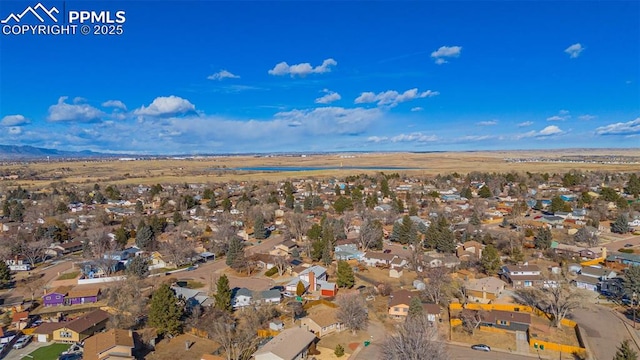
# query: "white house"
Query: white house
{"points": [[241, 297], [375, 258]]}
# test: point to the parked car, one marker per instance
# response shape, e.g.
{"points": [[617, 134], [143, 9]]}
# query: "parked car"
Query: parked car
{"points": [[481, 347], [386, 251], [628, 245], [22, 342]]}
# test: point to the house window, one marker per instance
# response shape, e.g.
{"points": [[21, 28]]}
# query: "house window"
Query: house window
{"points": [[66, 334], [396, 309], [502, 322], [405, 309], [58, 297], [528, 283]]}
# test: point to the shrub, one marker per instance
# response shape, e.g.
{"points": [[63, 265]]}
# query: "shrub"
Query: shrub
{"points": [[339, 350], [627, 251], [271, 272]]}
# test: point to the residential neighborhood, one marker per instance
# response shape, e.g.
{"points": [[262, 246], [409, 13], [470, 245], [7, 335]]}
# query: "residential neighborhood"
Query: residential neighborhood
{"points": [[316, 268]]}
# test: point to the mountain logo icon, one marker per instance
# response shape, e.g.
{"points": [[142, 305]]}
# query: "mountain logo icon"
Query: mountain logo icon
{"points": [[35, 11]]}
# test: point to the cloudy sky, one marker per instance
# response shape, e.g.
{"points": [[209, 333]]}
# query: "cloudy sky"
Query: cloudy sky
{"points": [[233, 77]]}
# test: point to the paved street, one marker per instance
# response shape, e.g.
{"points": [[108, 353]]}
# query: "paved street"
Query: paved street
{"points": [[604, 331]]}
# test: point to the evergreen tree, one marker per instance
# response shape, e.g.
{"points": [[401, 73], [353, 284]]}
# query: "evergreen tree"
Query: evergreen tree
{"points": [[445, 242], [484, 192], [490, 260], [223, 295], [138, 266], [226, 204], [466, 193], [384, 187], [307, 204], [396, 232], [517, 255], [289, 202], [337, 190], [177, 217], [344, 274], [139, 207], [212, 204], [164, 312], [415, 308], [621, 225], [5, 274], [475, 219], [144, 236], [235, 252], [259, 232], [326, 255], [543, 238], [121, 236], [339, 351], [625, 352], [633, 186]]}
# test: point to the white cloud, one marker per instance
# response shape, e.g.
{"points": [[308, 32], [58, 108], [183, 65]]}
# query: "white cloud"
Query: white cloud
{"points": [[487, 123], [15, 130], [417, 108], [392, 97], [525, 124], [166, 106], [330, 120], [446, 52], [562, 116], [302, 69], [550, 130], [329, 97], [14, 120], [587, 117], [222, 74], [115, 104], [574, 50], [412, 137], [76, 112], [79, 100], [474, 138], [622, 128]]}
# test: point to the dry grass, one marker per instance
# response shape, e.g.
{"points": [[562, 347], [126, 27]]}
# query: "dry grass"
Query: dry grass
{"points": [[205, 170], [505, 341], [541, 329], [171, 349]]}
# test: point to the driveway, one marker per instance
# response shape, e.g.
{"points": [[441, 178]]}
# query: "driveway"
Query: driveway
{"points": [[458, 352], [20, 353], [603, 329]]}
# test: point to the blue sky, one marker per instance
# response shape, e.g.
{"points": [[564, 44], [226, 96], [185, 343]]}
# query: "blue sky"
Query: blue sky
{"points": [[269, 76]]}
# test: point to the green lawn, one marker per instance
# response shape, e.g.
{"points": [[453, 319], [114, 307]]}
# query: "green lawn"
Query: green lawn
{"points": [[50, 352], [69, 276]]}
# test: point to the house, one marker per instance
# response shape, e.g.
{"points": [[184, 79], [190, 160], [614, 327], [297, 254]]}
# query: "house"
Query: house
{"points": [[285, 248], [20, 320], [375, 258], [268, 297], [590, 277], [18, 264], [470, 250], [578, 251], [241, 297], [484, 290], [446, 261], [44, 332], [114, 344], [624, 258], [313, 275], [290, 344], [328, 289], [347, 252], [399, 302], [69, 247], [55, 297], [82, 327], [432, 311], [323, 322], [507, 320], [82, 296], [276, 325], [192, 297], [522, 276]]}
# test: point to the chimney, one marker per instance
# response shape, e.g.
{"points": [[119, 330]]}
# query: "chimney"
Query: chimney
{"points": [[312, 281]]}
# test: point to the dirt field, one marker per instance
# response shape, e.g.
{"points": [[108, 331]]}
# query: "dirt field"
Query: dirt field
{"points": [[216, 169], [544, 331], [175, 348], [505, 341]]}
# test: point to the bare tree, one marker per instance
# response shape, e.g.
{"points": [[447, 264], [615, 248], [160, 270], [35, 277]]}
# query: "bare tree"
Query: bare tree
{"points": [[34, 285], [415, 339], [438, 283], [179, 249], [280, 263], [298, 225], [471, 320], [31, 250], [102, 247], [352, 311], [556, 298], [125, 298], [371, 234], [239, 342]]}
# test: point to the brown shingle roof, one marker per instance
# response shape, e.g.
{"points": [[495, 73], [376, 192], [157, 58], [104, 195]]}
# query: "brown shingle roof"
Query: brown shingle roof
{"points": [[48, 328], [87, 321], [379, 255], [510, 316], [20, 316], [102, 342], [324, 317], [64, 290], [402, 297]]}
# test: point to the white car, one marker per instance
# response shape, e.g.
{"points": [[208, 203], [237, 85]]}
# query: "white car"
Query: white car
{"points": [[22, 342]]}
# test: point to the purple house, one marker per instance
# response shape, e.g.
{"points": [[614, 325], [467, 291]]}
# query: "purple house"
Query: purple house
{"points": [[82, 296], [55, 297]]}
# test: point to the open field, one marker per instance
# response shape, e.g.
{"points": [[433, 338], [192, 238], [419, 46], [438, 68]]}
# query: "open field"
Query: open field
{"points": [[217, 169]]}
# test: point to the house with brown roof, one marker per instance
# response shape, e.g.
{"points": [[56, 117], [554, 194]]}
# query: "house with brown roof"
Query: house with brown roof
{"points": [[323, 322], [375, 258], [522, 276], [114, 344], [399, 302], [290, 344], [82, 296], [470, 250], [44, 332], [20, 320], [484, 290], [82, 327], [507, 320]]}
